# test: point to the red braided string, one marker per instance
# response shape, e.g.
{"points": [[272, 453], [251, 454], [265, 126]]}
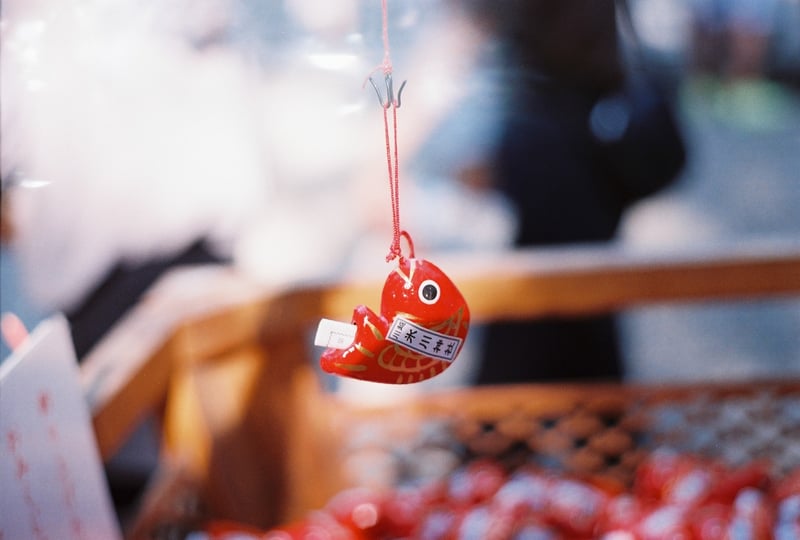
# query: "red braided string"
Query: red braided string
{"points": [[387, 61], [394, 249], [392, 162], [394, 185]]}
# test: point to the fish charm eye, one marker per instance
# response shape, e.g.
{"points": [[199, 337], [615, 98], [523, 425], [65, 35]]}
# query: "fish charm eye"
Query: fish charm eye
{"points": [[429, 292]]}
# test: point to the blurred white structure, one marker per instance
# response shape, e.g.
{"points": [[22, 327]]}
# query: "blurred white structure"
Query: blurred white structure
{"points": [[134, 128]]}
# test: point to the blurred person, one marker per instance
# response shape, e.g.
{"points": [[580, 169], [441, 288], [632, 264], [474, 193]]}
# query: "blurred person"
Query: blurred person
{"points": [[731, 38], [582, 140], [736, 60]]}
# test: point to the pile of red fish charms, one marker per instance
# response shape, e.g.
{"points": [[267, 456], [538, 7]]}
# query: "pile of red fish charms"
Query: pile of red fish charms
{"points": [[674, 497]]}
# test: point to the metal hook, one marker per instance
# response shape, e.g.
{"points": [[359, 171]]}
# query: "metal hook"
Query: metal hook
{"points": [[390, 100], [400, 94]]}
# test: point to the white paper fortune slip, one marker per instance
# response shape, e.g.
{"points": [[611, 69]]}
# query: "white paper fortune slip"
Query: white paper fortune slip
{"points": [[334, 334], [52, 483]]}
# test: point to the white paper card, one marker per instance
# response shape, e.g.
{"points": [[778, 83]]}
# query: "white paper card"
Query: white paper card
{"points": [[334, 334], [52, 483]]}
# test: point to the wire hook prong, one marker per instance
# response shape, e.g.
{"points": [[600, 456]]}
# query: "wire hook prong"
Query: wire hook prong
{"points": [[384, 104], [400, 94], [389, 100]]}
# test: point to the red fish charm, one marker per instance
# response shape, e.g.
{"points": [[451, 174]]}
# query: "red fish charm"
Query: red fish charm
{"points": [[422, 326]]}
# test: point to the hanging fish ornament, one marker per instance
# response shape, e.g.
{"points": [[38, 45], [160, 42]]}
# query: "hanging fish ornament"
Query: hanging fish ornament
{"points": [[423, 320], [421, 328]]}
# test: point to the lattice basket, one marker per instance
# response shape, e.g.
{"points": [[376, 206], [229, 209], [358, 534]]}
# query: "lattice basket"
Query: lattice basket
{"points": [[597, 432], [592, 430]]}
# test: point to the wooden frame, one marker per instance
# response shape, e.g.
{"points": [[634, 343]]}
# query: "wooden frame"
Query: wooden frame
{"points": [[218, 357]]}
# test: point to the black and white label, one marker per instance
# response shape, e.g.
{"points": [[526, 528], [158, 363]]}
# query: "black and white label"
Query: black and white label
{"points": [[424, 341]]}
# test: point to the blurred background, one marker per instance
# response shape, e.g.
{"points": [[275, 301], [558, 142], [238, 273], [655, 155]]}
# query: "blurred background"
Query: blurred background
{"points": [[137, 135]]}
